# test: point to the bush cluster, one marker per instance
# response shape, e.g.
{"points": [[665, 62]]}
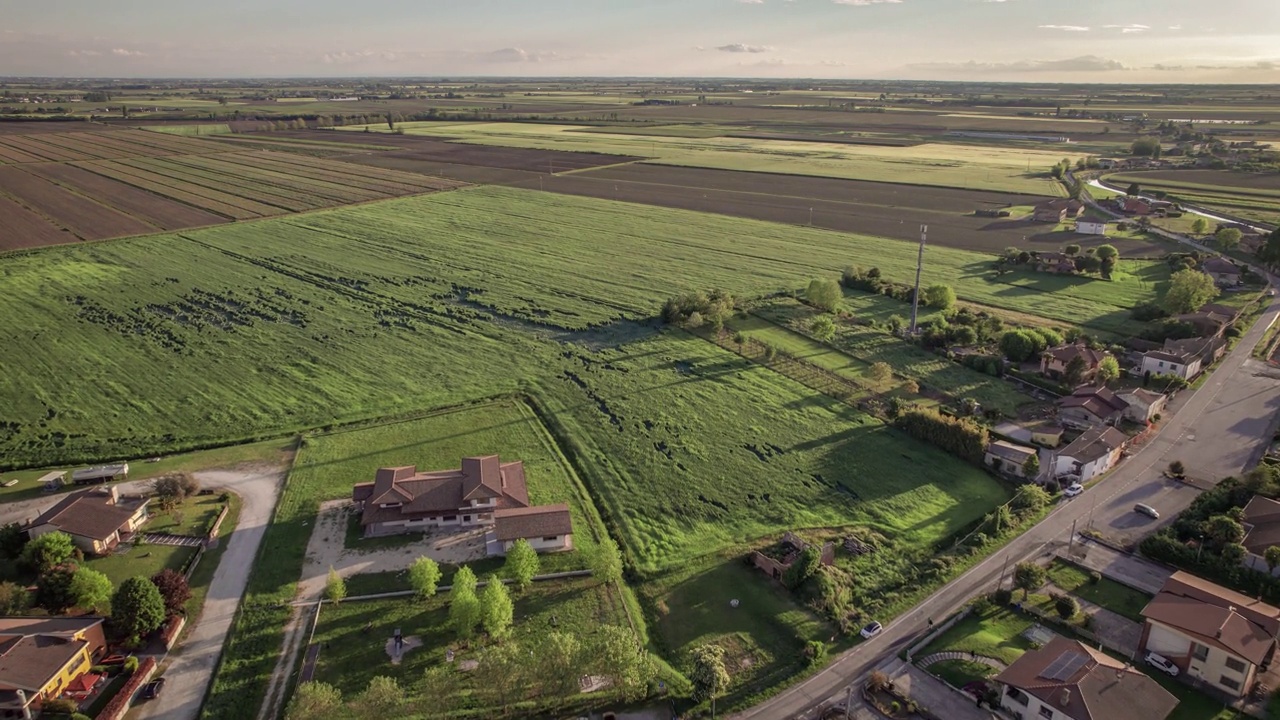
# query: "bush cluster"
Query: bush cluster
{"points": [[961, 437]]}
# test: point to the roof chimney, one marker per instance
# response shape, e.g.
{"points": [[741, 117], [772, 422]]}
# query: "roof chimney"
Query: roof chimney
{"points": [[1065, 699]]}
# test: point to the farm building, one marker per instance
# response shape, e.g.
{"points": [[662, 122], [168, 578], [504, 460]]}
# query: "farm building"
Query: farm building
{"points": [[1223, 271], [1090, 406], [1091, 227], [1006, 457], [1055, 262], [97, 520], [1068, 680], [1054, 361], [1143, 404], [1093, 453], [1057, 210], [483, 492], [1214, 635], [100, 474]]}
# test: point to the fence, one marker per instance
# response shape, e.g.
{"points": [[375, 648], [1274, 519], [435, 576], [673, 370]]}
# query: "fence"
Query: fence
{"points": [[193, 562], [933, 635], [119, 705], [217, 524]]}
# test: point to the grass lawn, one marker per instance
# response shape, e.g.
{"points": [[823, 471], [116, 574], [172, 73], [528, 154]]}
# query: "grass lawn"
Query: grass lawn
{"points": [[141, 561], [961, 672], [1107, 593], [352, 656], [995, 633], [192, 517]]}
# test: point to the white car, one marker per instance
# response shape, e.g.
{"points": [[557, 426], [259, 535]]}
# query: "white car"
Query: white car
{"points": [[1161, 663], [871, 630], [1073, 490]]}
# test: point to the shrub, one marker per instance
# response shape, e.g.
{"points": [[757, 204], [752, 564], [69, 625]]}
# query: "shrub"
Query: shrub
{"points": [[60, 705], [1066, 606], [815, 651], [961, 437], [131, 664], [1003, 596], [1095, 577]]}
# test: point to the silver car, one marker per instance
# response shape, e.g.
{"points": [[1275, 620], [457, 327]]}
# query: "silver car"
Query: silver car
{"points": [[1162, 664], [1147, 510]]}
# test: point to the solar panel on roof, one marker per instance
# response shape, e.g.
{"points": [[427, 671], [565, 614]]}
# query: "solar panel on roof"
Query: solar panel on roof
{"points": [[1067, 664]]}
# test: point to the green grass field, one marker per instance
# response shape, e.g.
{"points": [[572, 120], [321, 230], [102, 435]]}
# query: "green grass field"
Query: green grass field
{"points": [[1107, 593], [213, 336], [1257, 203], [948, 165], [191, 130]]}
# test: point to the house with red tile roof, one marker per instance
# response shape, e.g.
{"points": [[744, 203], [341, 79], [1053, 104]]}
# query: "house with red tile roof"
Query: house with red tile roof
{"points": [[97, 520], [483, 492]]}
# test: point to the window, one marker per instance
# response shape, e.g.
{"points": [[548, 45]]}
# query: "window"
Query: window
{"points": [[1017, 695], [466, 518], [1199, 652], [551, 538], [1161, 363], [1235, 664], [1227, 682], [1046, 712], [449, 518]]}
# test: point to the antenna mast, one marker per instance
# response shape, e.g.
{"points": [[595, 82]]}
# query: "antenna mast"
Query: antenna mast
{"points": [[915, 299]]}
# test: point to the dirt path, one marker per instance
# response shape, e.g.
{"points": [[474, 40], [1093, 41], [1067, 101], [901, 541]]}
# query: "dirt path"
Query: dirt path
{"points": [[191, 666], [326, 549]]}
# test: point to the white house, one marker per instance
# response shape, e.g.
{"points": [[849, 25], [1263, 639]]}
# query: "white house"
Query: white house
{"points": [[1162, 362], [1007, 457], [1143, 404], [1095, 452], [1091, 227]]}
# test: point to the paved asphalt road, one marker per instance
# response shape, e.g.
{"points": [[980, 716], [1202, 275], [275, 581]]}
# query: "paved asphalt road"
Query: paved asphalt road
{"points": [[1219, 430]]}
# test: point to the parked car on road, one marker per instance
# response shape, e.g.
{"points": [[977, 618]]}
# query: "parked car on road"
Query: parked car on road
{"points": [[1073, 490], [1144, 509], [871, 630], [1162, 664], [152, 690]]}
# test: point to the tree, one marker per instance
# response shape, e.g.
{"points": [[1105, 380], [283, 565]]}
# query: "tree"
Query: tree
{"points": [[605, 561], [709, 676], [823, 328], [1269, 251], [496, 609], [616, 652], [1108, 370], [559, 664], [1272, 556], [48, 551], [940, 296], [137, 607], [174, 589], [1224, 530], [464, 606], [1146, 147], [436, 693], [335, 588], [1021, 345], [803, 568], [1066, 606], [1199, 226], [1029, 576], [1227, 238], [12, 541], [53, 588], [824, 294], [91, 589], [1031, 468], [1177, 469], [13, 598], [522, 564], [1188, 290], [1071, 250], [503, 675], [1105, 252], [171, 490], [880, 372], [1233, 554], [424, 577], [1134, 189], [314, 700], [1073, 374], [382, 698], [1032, 497]]}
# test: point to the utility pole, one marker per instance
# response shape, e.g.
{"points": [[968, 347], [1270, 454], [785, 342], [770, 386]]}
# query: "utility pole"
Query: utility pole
{"points": [[848, 703], [810, 217], [1004, 567], [915, 300], [1072, 541]]}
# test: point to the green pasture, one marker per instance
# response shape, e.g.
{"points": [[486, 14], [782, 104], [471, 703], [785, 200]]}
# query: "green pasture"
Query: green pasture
{"points": [[191, 130], [943, 164]]}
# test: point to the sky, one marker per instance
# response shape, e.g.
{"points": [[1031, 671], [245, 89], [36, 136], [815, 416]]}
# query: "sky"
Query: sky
{"points": [[1120, 41]]}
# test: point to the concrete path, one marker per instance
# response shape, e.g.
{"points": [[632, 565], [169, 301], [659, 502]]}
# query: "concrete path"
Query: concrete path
{"points": [[934, 695], [924, 662], [190, 667], [1126, 569]]}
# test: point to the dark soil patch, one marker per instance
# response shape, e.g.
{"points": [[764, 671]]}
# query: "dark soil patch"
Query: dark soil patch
{"points": [[528, 160]]}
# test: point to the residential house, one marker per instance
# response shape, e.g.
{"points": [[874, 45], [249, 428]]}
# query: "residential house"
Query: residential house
{"points": [[1208, 349], [1089, 406], [1224, 272], [483, 492], [41, 657], [1058, 210], [1212, 634], [1143, 404], [1261, 530], [1207, 323], [1186, 365], [97, 520], [100, 474], [1055, 262], [1046, 434], [1110, 163], [1054, 361], [1068, 680], [1091, 227], [1134, 205], [1006, 457], [1096, 451]]}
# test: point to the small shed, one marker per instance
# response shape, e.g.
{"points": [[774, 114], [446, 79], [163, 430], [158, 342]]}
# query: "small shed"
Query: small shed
{"points": [[100, 474], [1091, 227], [1047, 434], [53, 480]]}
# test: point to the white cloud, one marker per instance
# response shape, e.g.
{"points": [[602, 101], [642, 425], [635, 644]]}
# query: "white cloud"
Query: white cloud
{"points": [[741, 48], [1127, 29], [1066, 28], [1175, 27], [520, 55], [1084, 63], [751, 2], [866, 2], [83, 53], [123, 52]]}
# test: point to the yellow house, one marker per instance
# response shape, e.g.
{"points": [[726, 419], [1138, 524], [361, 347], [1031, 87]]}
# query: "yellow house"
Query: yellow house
{"points": [[40, 657]]}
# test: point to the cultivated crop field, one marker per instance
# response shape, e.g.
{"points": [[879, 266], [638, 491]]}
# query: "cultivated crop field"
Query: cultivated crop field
{"points": [[963, 166], [1253, 196], [114, 185]]}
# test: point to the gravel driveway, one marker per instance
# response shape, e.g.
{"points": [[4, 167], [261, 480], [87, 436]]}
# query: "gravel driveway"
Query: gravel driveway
{"points": [[190, 667]]}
